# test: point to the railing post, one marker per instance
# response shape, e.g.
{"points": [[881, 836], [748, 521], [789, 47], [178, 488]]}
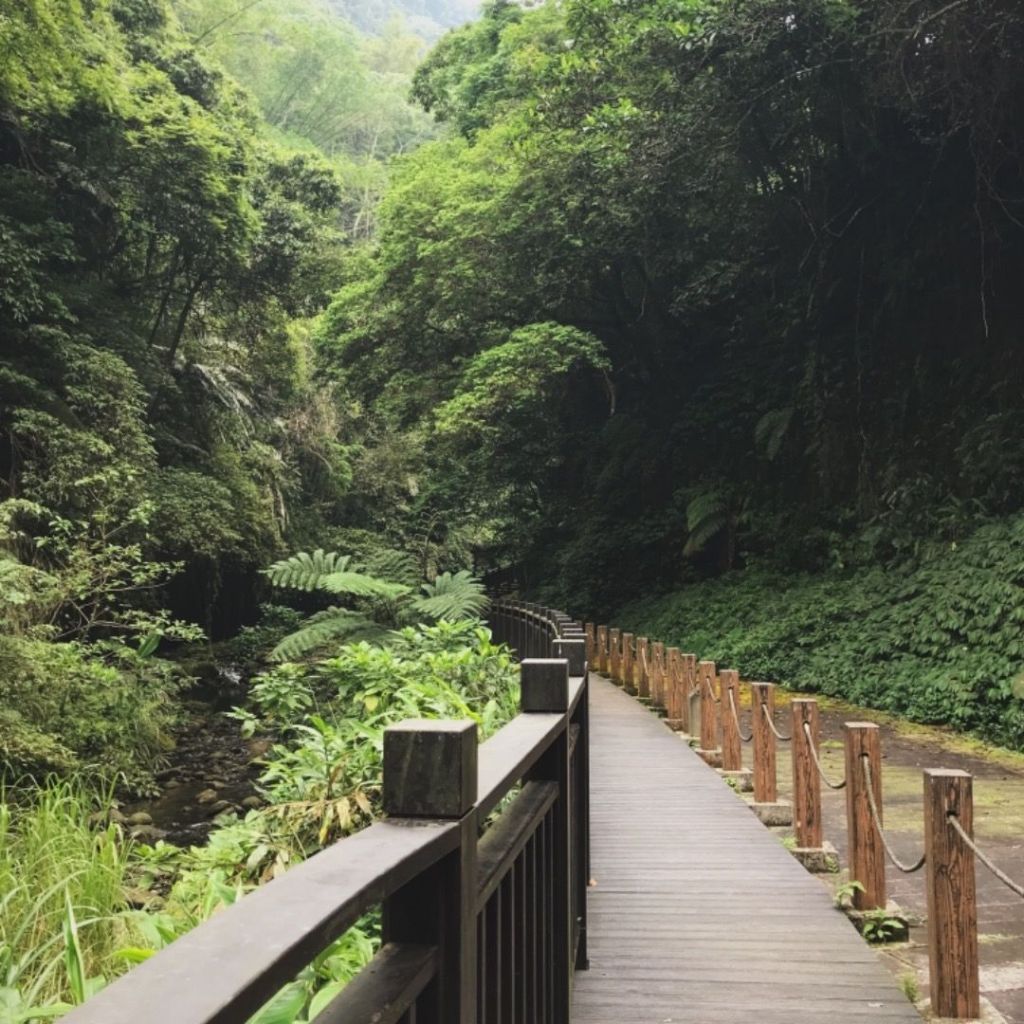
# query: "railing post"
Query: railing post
{"points": [[591, 637], [732, 746], [628, 664], [806, 781], [952, 899], [866, 853], [643, 657], [430, 771], [691, 694], [602, 650], [545, 689], [709, 749], [658, 683], [766, 783], [674, 701], [573, 650], [615, 656]]}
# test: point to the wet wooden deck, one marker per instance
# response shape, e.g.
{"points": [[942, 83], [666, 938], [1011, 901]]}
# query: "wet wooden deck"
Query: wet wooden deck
{"points": [[699, 914]]}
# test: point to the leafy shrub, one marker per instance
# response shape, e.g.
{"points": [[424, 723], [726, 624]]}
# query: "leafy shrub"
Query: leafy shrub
{"points": [[939, 640], [324, 774], [69, 706]]}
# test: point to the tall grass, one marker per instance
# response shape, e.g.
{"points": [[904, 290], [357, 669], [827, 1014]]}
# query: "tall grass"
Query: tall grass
{"points": [[62, 896]]}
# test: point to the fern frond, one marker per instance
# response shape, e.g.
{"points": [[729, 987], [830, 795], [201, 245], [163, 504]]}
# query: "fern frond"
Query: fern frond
{"points": [[452, 597], [398, 566], [771, 430], [306, 571], [319, 629], [357, 584], [706, 515]]}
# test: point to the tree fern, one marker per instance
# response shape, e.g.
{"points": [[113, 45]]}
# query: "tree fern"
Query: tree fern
{"points": [[397, 566], [329, 571], [707, 514], [306, 571], [452, 596], [319, 629], [771, 430], [357, 584]]}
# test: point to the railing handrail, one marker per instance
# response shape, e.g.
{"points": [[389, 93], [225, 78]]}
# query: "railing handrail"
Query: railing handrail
{"points": [[246, 952], [228, 967]]}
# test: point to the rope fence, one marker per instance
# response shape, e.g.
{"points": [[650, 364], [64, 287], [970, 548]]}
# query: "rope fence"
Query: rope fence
{"points": [[746, 737], [817, 764], [772, 726], [905, 867], [676, 684], [984, 858]]}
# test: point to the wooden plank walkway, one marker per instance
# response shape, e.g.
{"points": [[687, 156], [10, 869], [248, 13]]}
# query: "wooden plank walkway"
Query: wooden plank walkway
{"points": [[699, 914]]}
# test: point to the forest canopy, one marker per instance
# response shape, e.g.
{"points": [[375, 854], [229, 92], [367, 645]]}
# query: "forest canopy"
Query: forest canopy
{"points": [[630, 295], [701, 314]]}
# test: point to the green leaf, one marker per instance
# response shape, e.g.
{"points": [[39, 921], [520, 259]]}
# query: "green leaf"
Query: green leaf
{"points": [[285, 1007]]}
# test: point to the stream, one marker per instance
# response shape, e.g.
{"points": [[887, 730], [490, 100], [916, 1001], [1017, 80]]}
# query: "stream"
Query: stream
{"points": [[212, 770]]}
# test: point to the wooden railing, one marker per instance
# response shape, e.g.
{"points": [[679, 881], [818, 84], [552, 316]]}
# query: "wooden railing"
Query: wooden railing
{"points": [[704, 702], [480, 866]]}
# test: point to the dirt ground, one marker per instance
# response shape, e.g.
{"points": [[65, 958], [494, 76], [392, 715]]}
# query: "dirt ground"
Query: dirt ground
{"points": [[999, 830]]}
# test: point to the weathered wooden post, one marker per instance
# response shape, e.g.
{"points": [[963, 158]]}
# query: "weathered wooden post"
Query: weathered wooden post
{"points": [[545, 690], [628, 664], [767, 806], [615, 656], [658, 674], [732, 746], [602, 650], [952, 899], [430, 771], [674, 701], [806, 782], [709, 748], [643, 658], [591, 638], [691, 695], [766, 782], [866, 852], [812, 850]]}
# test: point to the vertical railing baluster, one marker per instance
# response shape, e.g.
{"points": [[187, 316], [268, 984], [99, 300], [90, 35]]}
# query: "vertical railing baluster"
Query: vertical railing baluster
{"points": [[508, 946]]}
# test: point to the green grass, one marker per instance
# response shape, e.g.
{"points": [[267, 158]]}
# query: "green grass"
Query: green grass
{"points": [[62, 910]]}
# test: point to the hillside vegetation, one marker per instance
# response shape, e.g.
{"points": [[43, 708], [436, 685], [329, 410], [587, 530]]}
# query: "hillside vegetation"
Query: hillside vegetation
{"points": [[699, 314], [697, 288]]}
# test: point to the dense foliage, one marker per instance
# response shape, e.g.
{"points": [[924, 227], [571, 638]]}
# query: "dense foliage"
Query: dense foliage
{"points": [[790, 226], [937, 641], [694, 287], [179, 185], [82, 903]]}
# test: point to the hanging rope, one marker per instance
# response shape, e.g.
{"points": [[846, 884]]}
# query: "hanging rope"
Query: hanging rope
{"points": [[817, 764], [771, 724], [745, 737], [707, 685], [907, 869], [998, 872]]}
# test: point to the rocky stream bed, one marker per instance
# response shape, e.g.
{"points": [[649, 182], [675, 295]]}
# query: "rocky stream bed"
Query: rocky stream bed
{"points": [[212, 770]]}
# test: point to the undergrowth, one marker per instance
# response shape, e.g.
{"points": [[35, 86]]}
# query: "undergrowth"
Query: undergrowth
{"points": [[80, 903], [939, 641]]}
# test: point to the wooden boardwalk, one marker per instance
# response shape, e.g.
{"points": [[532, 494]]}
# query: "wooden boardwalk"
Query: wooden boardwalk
{"points": [[699, 914]]}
